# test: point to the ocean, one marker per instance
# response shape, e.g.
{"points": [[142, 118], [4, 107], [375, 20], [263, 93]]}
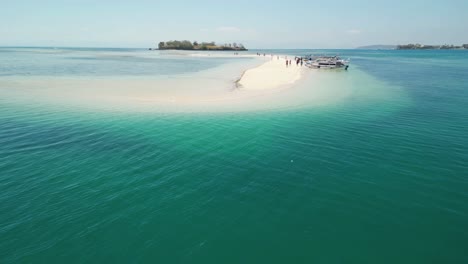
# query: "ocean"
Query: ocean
{"points": [[368, 165]]}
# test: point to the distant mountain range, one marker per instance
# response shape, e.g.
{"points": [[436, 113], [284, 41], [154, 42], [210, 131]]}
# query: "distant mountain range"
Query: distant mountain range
{"points": [[377, 47]]}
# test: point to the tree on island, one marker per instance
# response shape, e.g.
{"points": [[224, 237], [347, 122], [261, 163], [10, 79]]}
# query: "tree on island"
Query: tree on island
{"points": [[187, 45]]}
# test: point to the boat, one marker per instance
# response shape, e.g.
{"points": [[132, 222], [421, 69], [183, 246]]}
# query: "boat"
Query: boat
{"points": [[327, 62]]}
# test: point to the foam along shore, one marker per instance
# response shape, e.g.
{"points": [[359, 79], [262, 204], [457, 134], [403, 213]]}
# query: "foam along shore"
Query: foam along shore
{"points": [[271, 74]]}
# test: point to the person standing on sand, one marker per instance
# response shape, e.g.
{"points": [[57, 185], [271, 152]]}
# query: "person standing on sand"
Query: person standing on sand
{"points": [[301, 62], [286, 63]]}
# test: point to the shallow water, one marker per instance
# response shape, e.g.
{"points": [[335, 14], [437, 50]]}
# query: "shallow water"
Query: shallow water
{"points": [[364, 166], [137, 80]]}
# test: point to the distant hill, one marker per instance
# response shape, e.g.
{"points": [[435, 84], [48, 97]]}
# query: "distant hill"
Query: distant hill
{"points": [[430, 47], [377, 47]]}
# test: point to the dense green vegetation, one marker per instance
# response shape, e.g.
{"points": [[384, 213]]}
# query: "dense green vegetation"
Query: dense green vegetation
{"points": [[187, 45], [420, 46]]}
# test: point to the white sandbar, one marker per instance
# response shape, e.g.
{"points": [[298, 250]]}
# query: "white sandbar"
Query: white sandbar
{"points": [[271, 74]]}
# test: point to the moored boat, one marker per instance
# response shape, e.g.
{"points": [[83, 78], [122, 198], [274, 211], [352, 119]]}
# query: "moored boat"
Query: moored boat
{"points": [[327, 62]]}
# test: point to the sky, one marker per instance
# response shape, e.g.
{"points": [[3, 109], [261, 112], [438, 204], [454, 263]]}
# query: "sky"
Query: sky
{"points": [[256, 24]]}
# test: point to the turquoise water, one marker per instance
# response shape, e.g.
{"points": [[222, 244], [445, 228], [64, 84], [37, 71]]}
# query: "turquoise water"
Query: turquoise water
{"points": [[379, 176], [96, 62]]}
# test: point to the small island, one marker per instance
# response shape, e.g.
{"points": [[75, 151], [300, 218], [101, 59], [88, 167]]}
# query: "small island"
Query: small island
{"points": [[187, 45], [430, 47]]}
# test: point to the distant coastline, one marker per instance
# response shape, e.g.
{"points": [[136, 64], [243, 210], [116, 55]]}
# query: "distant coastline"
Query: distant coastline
{"points": [[414, 47], [208, 46], [431, 47]]}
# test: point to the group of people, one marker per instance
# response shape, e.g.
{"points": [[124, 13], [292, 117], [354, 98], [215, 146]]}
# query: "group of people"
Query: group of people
{"points": [[299, 60]]}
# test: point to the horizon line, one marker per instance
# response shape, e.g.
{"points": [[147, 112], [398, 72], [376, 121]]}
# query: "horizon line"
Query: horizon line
{"points": [[110, 47]]}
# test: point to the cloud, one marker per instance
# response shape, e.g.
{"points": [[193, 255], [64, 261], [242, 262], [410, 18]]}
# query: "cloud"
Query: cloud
{"points": [[228, 29], [353, 31]]}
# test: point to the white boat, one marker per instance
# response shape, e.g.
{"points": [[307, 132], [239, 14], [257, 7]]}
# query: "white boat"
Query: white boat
{"points": [[327, 62]]}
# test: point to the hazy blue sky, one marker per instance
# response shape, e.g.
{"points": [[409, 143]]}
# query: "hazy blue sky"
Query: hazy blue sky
{"points": [[256, 24]]}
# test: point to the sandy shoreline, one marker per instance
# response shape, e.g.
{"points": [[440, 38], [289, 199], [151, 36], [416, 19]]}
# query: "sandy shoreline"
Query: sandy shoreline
{"points": [[239, 85], [271, 74]]}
